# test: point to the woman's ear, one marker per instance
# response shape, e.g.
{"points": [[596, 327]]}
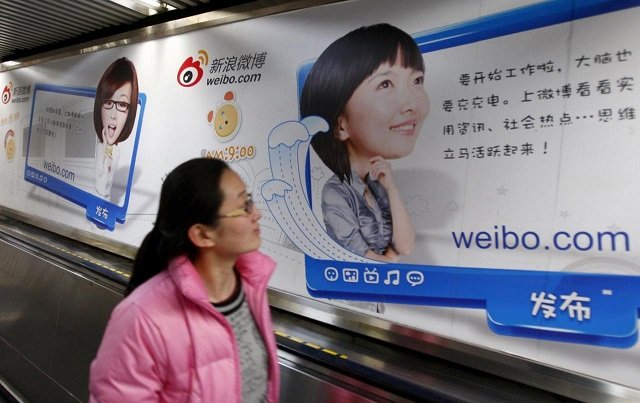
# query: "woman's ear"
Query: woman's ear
{"points": [[342, 128], [201, 235]]}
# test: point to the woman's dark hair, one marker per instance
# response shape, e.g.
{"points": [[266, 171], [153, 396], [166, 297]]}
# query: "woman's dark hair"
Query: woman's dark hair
{"points": [[339, 70], [115, 76], [190, 194]]}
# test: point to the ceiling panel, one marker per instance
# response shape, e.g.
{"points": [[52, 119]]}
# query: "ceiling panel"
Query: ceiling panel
{"points": [[29, 27]]}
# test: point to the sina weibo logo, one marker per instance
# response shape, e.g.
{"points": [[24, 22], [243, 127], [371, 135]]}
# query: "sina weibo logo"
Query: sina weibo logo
{"points": [[190, 73], [6, 93]]}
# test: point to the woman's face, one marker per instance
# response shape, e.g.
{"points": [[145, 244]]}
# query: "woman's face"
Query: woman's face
{"points": [[239, 232], [115, 111], [385, 113]]}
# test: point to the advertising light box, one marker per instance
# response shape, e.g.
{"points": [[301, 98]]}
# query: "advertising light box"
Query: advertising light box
{"points": [[62, 151], [467, 169]]}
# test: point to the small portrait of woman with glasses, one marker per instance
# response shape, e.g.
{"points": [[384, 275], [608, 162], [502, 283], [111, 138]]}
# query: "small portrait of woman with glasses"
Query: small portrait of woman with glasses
{"points": [[114, 114]]}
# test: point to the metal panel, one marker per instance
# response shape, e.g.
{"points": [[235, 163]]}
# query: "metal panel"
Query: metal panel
{"points": [[26, 25], [33, 295], [83, 314], [317, 384], [538, 375], [51, 323], [236, 10]]}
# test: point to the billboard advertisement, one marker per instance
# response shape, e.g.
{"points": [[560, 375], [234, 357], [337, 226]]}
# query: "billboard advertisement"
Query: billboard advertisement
{"points": [[467, 169]]}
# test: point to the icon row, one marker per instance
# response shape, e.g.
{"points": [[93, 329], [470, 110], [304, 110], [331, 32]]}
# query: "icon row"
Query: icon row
{"points": [[371, 276]]}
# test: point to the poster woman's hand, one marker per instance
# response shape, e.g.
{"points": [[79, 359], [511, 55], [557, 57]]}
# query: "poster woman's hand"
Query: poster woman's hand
{"points": [[107, 162], [380, 170]]}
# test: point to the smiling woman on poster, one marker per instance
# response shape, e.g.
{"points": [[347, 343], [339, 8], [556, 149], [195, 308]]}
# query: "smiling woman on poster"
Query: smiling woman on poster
{"points": [[369, 86], [114, 114]]}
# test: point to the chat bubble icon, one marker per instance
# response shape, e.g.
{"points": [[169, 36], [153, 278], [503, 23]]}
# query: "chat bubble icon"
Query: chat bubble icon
{"points": [[415, 278]]}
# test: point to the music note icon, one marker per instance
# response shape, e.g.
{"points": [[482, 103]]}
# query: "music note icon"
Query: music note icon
{"points": [[393, 277]]}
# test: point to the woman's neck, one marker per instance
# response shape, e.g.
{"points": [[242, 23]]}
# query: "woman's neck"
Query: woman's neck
{"points": [[217, 274], [359, 164]]}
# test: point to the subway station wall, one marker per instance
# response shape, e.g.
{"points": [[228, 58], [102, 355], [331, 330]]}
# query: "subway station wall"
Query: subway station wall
{"points": [[511, 162]]}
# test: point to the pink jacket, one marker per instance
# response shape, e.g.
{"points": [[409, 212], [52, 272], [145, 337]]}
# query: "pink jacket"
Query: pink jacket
{"points": [[166, 343]]}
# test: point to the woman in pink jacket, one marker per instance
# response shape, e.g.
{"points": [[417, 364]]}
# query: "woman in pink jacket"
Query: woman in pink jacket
{"points": [[195, 325]]}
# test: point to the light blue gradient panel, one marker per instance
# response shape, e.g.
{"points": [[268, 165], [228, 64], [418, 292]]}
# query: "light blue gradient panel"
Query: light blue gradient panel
{"points": [[597, 309], [103, 213]]}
